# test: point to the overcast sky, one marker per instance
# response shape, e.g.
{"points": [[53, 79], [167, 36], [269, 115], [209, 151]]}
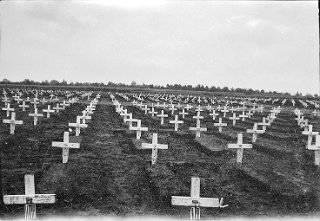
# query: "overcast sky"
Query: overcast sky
{"points": [[258, 45]]}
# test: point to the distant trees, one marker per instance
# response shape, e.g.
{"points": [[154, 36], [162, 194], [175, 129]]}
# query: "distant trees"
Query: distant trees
{"points": [[134, 84]]}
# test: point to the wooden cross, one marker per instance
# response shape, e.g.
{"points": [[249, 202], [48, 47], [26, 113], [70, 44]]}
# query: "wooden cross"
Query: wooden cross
{"points": [[195, 201], [225, 110], [12, 122], [34, 102], [129, 119], [213, 114], [57, 108], [154, 146], [35, 116], [30, 199], [138, 129], [183, 113], [84, 116], [198, 117], [234, 119], [243, 116], [78, 125], [220, 124], [124, 114], [65, 145], [48, 111], [23, 105], [198, 109], [239, 146], [316, 148], [198, 129], [162, 115], [264, 124], [8, 109], [172, 108], [176, 122], [152, 112], [255, 132], [145, 109], [188, 107], [310, 134]]}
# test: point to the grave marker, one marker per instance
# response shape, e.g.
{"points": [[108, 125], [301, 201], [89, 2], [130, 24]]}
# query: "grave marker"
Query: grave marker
{"points": [[254, 131], [316, 148], [234, 119], [154, 146], [35, 116], [239, 146], [12, 122], [220, 124], [162, 116], [78, 125], [310, 134], [138, 129], [65, 145], [48, 111], [195, 201], [30, 199], [8, 109], [198, 129], [176, 122]]}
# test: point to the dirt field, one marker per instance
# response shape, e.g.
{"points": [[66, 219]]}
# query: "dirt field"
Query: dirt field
{"points": [[109, 175]]}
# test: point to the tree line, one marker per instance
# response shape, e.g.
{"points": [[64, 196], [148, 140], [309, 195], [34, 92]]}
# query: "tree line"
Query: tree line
{"points": [[199, 87]]}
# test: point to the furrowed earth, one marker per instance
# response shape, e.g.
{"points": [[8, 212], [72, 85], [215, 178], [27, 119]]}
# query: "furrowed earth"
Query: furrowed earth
{"points": [[110, 175]]}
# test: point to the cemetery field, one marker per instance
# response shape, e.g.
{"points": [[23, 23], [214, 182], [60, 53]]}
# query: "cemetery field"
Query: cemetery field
{"points": [[110, 174]]}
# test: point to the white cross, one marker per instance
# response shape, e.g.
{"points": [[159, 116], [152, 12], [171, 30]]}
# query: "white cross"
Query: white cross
{"points": [[84, 116], [195, 201], [198, 109], [129, 119], [188, 107], [213, 114], [264, 124], [239, 146], [176, 122], [12, 122], [138, 129], [243, 116], [8, 109], [23, 106], [152, 112], [255, 132], [198, 129], [30, 199], [124, 114], [234, 119], [183, 113], [78, 125], [65, 145], [172, 108], [154, 146], [225, 110], [220, 124], [35, 116], [57, 108], [198, 117], [48, 111], [145, 109], [310, 134], [162, 115], [316, 148]]}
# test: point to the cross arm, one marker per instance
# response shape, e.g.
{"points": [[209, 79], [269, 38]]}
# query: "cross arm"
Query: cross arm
{"points": [[201, 202], [22, 199]]}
